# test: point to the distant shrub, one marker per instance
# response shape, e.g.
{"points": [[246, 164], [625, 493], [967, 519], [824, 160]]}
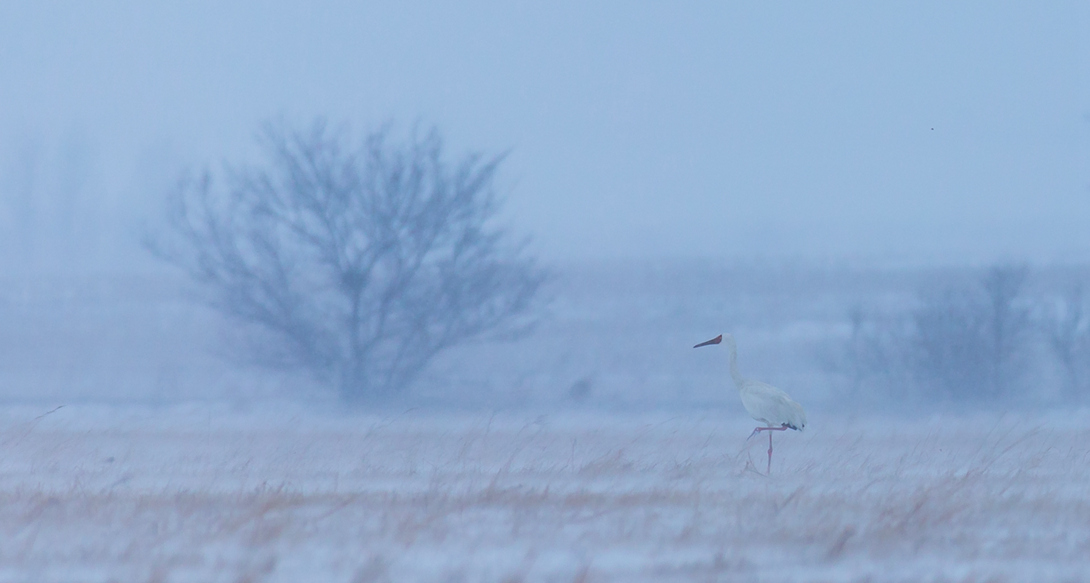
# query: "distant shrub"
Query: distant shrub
{"points": [[962, 342], [1065, 324]]}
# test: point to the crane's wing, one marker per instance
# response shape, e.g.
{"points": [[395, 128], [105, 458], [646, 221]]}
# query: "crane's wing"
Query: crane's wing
{"points": [[767, 403]]}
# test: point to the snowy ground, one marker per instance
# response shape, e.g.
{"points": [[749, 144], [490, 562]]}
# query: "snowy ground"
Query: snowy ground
{"points": [[637, 471], [208, 493]]}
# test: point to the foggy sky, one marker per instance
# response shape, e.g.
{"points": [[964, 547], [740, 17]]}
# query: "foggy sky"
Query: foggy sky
{"points": [[915, 132]]}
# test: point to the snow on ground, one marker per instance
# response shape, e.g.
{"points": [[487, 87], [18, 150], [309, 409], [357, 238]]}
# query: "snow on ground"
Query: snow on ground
{"points": [[210, 493]]}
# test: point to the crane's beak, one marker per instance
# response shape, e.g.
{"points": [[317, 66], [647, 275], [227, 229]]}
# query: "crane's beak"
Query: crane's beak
{"points": [[715, 340]]}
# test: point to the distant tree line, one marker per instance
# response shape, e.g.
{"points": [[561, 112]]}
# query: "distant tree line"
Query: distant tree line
{"points": [[985, 339], [55, 215]]}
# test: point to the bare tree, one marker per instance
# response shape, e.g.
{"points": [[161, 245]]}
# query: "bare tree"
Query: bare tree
{"points": [[869, 359], [948, 345], [967, 342], [364, 260], [21, 197], [1067, 331], [1008, 324]]}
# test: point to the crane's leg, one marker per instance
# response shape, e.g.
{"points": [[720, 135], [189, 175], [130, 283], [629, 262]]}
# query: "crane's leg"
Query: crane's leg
{"points": [[768, 470], [769, 430]]}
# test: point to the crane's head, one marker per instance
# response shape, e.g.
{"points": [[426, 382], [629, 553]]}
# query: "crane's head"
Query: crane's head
{"points": [[715, 340]]}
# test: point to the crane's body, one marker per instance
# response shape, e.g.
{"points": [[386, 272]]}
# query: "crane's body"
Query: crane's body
{"points": [[762, 401]]}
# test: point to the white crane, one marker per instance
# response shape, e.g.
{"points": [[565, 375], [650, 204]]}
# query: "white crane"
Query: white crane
{"points": [[762, 401]]}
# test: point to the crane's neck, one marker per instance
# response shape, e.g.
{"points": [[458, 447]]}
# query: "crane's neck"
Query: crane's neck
{"points": [[737, 376]]}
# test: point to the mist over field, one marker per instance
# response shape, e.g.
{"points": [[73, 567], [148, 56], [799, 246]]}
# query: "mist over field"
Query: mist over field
{"points": [[411, 293]]}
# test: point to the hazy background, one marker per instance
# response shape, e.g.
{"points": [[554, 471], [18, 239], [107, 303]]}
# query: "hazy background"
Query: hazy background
{"points": [[887, 203], [923, 132], [646, 141]]}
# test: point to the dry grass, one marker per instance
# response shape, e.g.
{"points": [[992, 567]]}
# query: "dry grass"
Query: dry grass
{"points": [[90, 495]]}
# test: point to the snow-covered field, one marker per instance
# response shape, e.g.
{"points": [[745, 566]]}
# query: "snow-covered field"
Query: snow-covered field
{"points": [[210, 493], [617, 453]]}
